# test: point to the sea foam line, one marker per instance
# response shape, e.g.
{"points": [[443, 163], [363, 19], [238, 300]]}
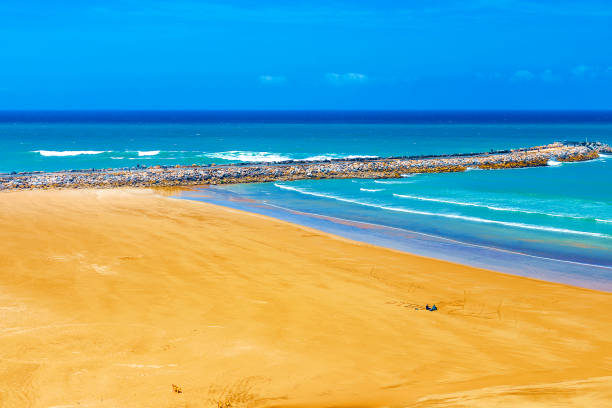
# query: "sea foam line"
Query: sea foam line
{"points": [[452, 216], [490, 207], [148, 153], [62, 153], [393, 181], [252, 156], [371, 190], [331, 156], [247, 156], [440, 237]]}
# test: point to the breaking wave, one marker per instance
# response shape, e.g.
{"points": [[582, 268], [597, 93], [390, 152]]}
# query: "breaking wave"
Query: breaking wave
{"points": [[490, 207], [229, 155], [332, 156], [247, 156], [452, 216], [63, 153], [148, 153], [393, 181], [250, 156]]}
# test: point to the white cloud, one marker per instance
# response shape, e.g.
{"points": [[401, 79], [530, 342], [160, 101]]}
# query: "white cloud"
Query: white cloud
{"points": [[580, 70], [272, 80], [347, 78], [584, 71], [523, 75]]}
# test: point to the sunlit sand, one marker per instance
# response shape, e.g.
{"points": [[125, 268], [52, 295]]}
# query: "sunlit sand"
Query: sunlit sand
{"points": [[123, 298]]}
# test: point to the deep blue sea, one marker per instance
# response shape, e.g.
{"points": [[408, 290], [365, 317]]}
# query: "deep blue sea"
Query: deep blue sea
{"points": [[553, 222]]}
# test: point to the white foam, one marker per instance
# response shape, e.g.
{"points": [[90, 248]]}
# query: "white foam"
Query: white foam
{"points": [[148, 153], [602, 220], [250, 156], [357, 156], [490, 207], [247, 156], [372, 190], [442, 238], [553, 163], [331, 156], [322, 157], [393, 181], [452, 216], [54, 153]]}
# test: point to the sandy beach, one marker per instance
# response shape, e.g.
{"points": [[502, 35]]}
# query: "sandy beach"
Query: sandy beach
{"points": [[109, 297]]}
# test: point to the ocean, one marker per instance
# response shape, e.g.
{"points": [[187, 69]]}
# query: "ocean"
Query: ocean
{"points": [[553, 223]]}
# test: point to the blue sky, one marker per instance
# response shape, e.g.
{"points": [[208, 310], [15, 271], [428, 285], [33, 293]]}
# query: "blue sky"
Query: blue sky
{"points": [[190, 54]]}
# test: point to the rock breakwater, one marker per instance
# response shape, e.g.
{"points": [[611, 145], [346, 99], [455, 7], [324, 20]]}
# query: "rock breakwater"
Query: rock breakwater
{"points": [[393, 167]]}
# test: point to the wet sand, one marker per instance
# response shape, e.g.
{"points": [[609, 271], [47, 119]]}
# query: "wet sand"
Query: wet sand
{"points": [[108, 297]]}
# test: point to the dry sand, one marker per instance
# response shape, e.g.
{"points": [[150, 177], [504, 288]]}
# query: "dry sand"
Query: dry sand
{"points": [[107, 298]]}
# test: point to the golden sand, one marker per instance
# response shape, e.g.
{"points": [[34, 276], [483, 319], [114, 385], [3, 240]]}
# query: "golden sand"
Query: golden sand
{"points": [[109, 298]]}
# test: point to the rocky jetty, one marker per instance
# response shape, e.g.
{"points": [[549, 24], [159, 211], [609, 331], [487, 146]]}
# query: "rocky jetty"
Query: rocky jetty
{"points": [[392, 167]]}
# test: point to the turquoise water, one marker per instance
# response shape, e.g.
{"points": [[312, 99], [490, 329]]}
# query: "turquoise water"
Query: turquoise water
{"points": [[63, 146], [552, 223], [562, 212], [560, 215]]}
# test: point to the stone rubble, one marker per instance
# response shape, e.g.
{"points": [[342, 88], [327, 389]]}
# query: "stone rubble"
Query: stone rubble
{"points": [[381, 168]]}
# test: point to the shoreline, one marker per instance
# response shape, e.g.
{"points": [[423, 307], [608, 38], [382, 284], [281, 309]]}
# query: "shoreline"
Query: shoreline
{"points": [[353, 241], [393, 167], [111, 296], [500, 260]]}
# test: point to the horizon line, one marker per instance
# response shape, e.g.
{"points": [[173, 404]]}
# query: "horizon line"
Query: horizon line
{"points": [[407, 110]]}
